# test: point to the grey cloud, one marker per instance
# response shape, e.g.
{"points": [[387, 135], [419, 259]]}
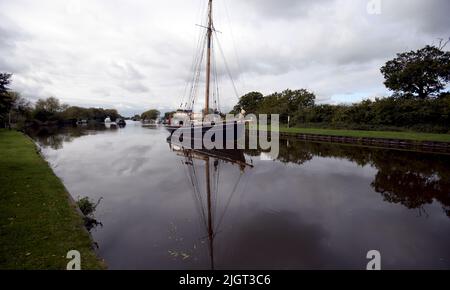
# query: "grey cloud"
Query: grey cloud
{"points": [[284, 8], [431, 16], [10, 36], [102, 91], [10, 33], [6, 38], [358, 38], [135, 87], [125, 70], [110, 53]]}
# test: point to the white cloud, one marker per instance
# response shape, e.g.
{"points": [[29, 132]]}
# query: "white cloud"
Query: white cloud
{"points": [[137, 54]]}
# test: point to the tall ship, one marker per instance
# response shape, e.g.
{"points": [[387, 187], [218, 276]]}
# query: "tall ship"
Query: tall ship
{"points": [[187, 122]]}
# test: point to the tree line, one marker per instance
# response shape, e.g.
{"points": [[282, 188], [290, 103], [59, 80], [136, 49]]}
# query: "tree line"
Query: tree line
{"points": [[419, 102], [14, 109]]}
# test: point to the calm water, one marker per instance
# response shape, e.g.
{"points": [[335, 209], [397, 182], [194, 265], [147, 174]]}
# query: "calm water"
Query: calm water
{"points": [[319, 206]]}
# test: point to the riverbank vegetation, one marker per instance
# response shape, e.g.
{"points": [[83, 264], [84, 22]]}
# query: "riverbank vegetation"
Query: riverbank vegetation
{"points": [[150, 115], [88, 208], [419, 102], [16, 110], [414, 136], [51, 111], [39, 224]]}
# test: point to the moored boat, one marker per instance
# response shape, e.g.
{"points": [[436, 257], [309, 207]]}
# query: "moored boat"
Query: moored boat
{"points": [[185, 122]]}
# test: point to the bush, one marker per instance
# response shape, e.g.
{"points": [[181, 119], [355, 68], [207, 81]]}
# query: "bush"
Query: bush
{"points": [[87, 206], [391, 114]]}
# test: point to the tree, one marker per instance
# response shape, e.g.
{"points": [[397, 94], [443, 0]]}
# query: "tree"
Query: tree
{"points": [[273, 104], [76, 113], [150, 115], [249, 103], [169, 115], [113, 114], [48, 109], [286, 103], [316, 114], [5, 80], [298, 99], [420, 73], [51, 105], [20, 104], [95, 114], [20, 110], [6, 100]]}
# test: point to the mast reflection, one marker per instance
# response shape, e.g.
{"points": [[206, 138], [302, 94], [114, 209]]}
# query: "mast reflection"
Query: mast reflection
{"points": [[206, 199]]}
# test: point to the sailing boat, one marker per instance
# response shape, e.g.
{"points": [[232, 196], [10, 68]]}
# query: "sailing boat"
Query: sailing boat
{"points": [[188, 123], [207, 198]]}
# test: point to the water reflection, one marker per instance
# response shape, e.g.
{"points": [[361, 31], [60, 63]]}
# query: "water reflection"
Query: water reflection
{"points": [[208, 195], [55, 136], [318, 206], [150, 126], [404, 177]]}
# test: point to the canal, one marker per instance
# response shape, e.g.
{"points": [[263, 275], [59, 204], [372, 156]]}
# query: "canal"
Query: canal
{"points": [[317, 206]]}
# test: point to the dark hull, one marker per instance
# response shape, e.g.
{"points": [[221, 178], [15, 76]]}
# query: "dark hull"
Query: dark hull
{"points": [[230, 133]]}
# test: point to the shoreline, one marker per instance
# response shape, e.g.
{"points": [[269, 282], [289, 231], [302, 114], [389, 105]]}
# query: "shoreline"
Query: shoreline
{"points": [[40, 222], [404, 140], [421, 146]]}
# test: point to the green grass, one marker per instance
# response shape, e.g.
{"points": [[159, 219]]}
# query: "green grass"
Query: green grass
{"points": [[370, 134], [38, 223]]}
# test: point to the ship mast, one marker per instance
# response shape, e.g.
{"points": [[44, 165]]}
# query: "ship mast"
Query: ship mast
{"points": [[210, 221], [208, 58]]}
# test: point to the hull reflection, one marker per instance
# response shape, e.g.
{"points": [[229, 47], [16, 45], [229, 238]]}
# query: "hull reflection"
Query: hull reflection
{"points": [[206, 195]]}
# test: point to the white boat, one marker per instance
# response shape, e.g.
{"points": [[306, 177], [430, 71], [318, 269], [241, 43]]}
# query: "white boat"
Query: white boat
{"points": [[107, 120], [186, 122]]}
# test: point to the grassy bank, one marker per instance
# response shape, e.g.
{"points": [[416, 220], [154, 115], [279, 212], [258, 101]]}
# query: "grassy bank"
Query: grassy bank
{"points": [[370, 134], [38, 224]]}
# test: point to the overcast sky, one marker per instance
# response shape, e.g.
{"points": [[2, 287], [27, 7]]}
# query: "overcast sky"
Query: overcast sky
{"points": [[136, 54]]}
